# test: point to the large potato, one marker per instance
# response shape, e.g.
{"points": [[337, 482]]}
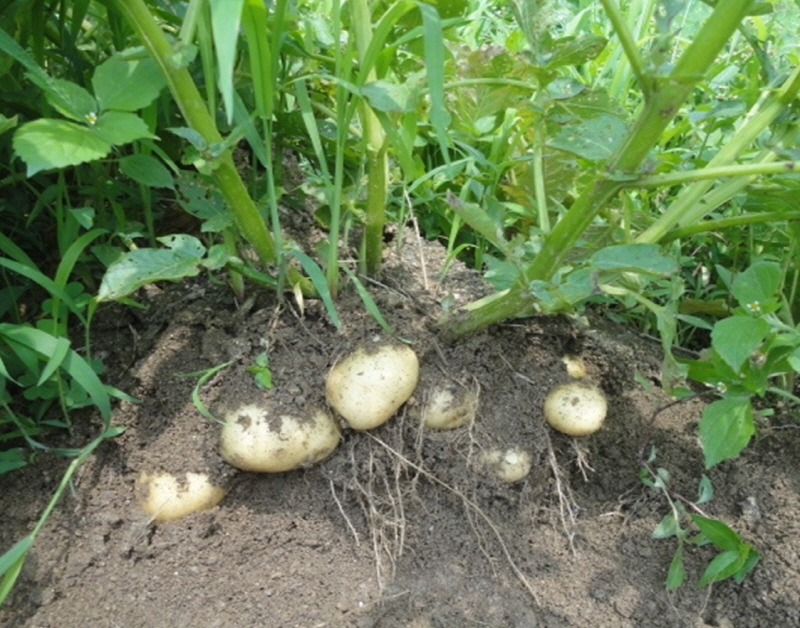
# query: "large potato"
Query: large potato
{"points": [[368, 386], [252, 440]]}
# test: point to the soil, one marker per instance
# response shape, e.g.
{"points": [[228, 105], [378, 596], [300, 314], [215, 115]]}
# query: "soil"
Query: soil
{"points": [[402, 526]]}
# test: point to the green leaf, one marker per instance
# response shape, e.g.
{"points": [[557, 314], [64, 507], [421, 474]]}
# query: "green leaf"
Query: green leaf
{"points": [[669, 526], [757, 284], [318, 279], [16, 552], [718, 533], [677, 572], [70, 100], [127, 85], [387, 96], [635, 258], [725, 429], [121, 127], [705, 491], [723, 566], [479, 219], [182, 258], [12, 459], [736, 338], [575, 50], [147, 170], [225, 20], [593, 138], [44, 144]]}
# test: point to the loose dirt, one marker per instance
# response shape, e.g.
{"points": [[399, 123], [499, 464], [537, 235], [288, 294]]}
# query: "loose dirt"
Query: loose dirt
{"points": [[400, 527]]}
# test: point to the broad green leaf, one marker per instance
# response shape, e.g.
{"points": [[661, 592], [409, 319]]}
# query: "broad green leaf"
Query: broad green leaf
{"points": [[669, 526], [723, 566], [147, 170], [44, 144], [387, 96], [725, 429], [477, 218], [593, 138], [677, 572], [70, 100], [736, 337], [225, 20], [205, 204], [12, 459], [127, 85], [634, 258], [121, 127], [182, 258], [6, 124], [752, 560], [757, 284], [718, 533], [574, 50]]}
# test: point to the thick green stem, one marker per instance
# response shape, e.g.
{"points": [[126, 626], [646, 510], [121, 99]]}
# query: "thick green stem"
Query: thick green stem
{"points": [[668, 95], [718, 172], [194, 111]]}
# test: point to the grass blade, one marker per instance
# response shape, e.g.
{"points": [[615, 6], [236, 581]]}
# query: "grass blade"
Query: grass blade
{"points": [[314, 273]]}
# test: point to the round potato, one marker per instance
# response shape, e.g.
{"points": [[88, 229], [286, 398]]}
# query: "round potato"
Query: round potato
{"points": [[576, 408], [165, 496], [368, 386]]}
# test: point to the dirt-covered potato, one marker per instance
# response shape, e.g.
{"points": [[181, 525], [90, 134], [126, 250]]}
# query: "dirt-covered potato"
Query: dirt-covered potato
{"points": [[507, 465], [449, 405], [254, 440], [165, 496], [369, 385], [577, 408]]}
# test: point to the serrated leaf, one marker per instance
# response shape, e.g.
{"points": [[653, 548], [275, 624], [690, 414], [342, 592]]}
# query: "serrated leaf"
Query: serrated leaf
{"points": [[735, 338], [635, 258], [121, 127], [725, 429], [594, 138], [45, 143], [757, 284], [147, 170], [127, 85], [182, 258], [69, 99]]}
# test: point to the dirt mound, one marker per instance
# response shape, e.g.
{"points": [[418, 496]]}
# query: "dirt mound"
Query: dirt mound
{"points": [[401, 527]]}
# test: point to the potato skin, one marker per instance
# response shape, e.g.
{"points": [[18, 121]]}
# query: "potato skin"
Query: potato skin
{"points": [[577, 408], [252, 440], [367, 387], [166, 497]]}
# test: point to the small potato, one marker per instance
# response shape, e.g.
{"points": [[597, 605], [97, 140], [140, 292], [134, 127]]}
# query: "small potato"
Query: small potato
{"points": [[165, 496], [252, 440], [449, 406], [507, 465], [369, 385], [576, 408], [576, 367]]}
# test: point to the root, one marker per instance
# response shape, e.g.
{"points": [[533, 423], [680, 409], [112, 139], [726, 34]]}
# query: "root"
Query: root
{"points": [[567, 505], [471, 507]]}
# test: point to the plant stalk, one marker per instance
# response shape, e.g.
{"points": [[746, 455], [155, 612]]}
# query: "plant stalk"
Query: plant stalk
{"points": [[187, 97]]}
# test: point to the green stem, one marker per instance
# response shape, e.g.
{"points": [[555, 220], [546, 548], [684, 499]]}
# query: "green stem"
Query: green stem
{"points": [[628, 44], [669, 93], [710, 226], [718, 172], [194, 111], [687, 208]]}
